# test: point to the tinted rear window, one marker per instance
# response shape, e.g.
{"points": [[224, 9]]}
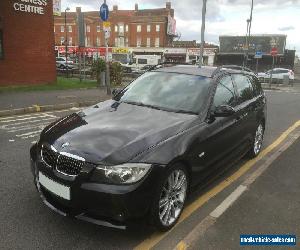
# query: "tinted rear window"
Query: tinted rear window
{"points": [[244, 87]]}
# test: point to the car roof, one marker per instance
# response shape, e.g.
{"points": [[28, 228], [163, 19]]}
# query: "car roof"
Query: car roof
{"points": [[206, 71]]}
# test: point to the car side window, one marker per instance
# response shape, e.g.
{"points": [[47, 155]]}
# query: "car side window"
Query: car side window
{"points": [[244, 87], [224, 93]]}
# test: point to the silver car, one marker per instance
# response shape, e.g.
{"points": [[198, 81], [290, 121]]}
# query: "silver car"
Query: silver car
{"points": [[61, 63], [278, 75]]}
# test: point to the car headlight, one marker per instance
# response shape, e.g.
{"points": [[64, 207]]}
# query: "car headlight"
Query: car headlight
{"points": [[121, 174]]}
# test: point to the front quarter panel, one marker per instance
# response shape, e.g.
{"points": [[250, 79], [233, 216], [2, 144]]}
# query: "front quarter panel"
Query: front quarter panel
{"points": [[174, 148]]}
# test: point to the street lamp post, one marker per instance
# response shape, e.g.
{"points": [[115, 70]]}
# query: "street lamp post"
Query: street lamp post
{"points": [[107, 73], [248, 34], [66, 40], [202, 33]]}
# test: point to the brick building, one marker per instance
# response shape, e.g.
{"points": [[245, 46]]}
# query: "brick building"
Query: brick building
{"points": [[26, 42], [129, 28]]}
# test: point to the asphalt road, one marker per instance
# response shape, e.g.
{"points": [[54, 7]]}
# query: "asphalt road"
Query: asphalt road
{"points": [[26, 223]]}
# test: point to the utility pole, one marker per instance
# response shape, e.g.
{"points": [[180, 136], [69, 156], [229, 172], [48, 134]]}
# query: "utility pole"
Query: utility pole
{"points": [[107, 73], [202, 33], [248, 34], [251, 13], [246, 45]]}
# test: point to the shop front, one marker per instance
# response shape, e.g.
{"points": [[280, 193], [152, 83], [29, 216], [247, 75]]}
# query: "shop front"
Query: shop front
{"points": [[209, 54], [175, 55]]}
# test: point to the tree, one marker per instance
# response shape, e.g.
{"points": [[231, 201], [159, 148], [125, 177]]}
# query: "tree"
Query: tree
{"points": [[116, 73], [98, 67]]}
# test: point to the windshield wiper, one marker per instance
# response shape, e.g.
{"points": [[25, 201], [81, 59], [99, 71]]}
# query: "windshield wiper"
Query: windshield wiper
{"points": [[160, 108], [142, 104], [184, 112]]}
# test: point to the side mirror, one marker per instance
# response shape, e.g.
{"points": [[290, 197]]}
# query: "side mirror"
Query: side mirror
{"points": [[224, 111], [115, 92]]}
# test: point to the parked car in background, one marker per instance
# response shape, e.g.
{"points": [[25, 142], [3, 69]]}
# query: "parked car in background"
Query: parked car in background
{"points": [[140, 62], [278, 75], [142, 152], [61, 63]]}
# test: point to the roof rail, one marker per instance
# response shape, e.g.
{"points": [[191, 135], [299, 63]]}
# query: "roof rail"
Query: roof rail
{"points": [[231, 66]]}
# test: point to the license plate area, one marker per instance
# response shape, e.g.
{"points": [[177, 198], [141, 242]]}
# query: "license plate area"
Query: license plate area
{"points": [[55, 187]]}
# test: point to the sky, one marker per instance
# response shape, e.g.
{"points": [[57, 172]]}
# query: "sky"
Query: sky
{"points": [[224, 17]]}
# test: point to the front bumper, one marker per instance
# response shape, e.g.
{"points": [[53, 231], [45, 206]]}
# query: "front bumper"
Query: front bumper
{"points": [[95, 202]]}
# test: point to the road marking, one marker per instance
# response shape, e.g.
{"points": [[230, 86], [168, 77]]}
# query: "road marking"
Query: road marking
{"points": [[153, 239], [200, 229], [39, 114], [24, 119], [17, 129], [30, 133], [30, 125], [74, 109], [18, 116], [181, 246], [20, 123], [49, 115], [193, 236], [37, 108], [228, 201]]}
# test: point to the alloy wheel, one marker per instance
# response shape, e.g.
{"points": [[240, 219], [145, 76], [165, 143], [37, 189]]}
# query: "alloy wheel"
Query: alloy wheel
{"points": [[172, 197], [258, 140]]}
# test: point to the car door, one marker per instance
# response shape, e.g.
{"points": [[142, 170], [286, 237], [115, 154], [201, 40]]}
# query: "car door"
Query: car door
{"points": [[276, 74], [218, 140], [245, 109], [284, 72]]}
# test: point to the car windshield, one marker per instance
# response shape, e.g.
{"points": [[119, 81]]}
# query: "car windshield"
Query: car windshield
{"points": [[167, 91]]}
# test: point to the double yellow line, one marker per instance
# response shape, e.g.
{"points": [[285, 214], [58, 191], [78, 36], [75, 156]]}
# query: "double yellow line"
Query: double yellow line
{"points": [[152, 240]]}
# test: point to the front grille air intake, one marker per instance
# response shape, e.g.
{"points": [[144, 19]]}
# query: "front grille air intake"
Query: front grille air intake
{"points": [[65, 163]]}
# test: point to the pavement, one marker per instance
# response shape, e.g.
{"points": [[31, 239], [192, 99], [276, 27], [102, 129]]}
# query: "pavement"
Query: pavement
{"points": [[13, 103], [269, 205]]}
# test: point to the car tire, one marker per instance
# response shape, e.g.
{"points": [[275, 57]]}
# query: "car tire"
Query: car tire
{"points": [[170, 198], [257, 141]]}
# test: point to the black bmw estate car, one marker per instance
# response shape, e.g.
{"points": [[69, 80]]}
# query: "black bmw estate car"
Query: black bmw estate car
{"points": [[142, 152]]}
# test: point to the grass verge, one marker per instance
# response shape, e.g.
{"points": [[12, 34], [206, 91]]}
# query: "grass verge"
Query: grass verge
{"points": [[62, 83]]}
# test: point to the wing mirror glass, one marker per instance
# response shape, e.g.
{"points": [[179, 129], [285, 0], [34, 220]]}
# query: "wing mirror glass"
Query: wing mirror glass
{"points": [[115, 92], [224, 111]]}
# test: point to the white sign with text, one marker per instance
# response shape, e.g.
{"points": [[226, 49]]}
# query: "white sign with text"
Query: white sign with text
{"points": [[30, 6]]}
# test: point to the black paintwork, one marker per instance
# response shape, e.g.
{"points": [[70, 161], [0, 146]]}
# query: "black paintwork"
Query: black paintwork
{"points": [[113, 133]]}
